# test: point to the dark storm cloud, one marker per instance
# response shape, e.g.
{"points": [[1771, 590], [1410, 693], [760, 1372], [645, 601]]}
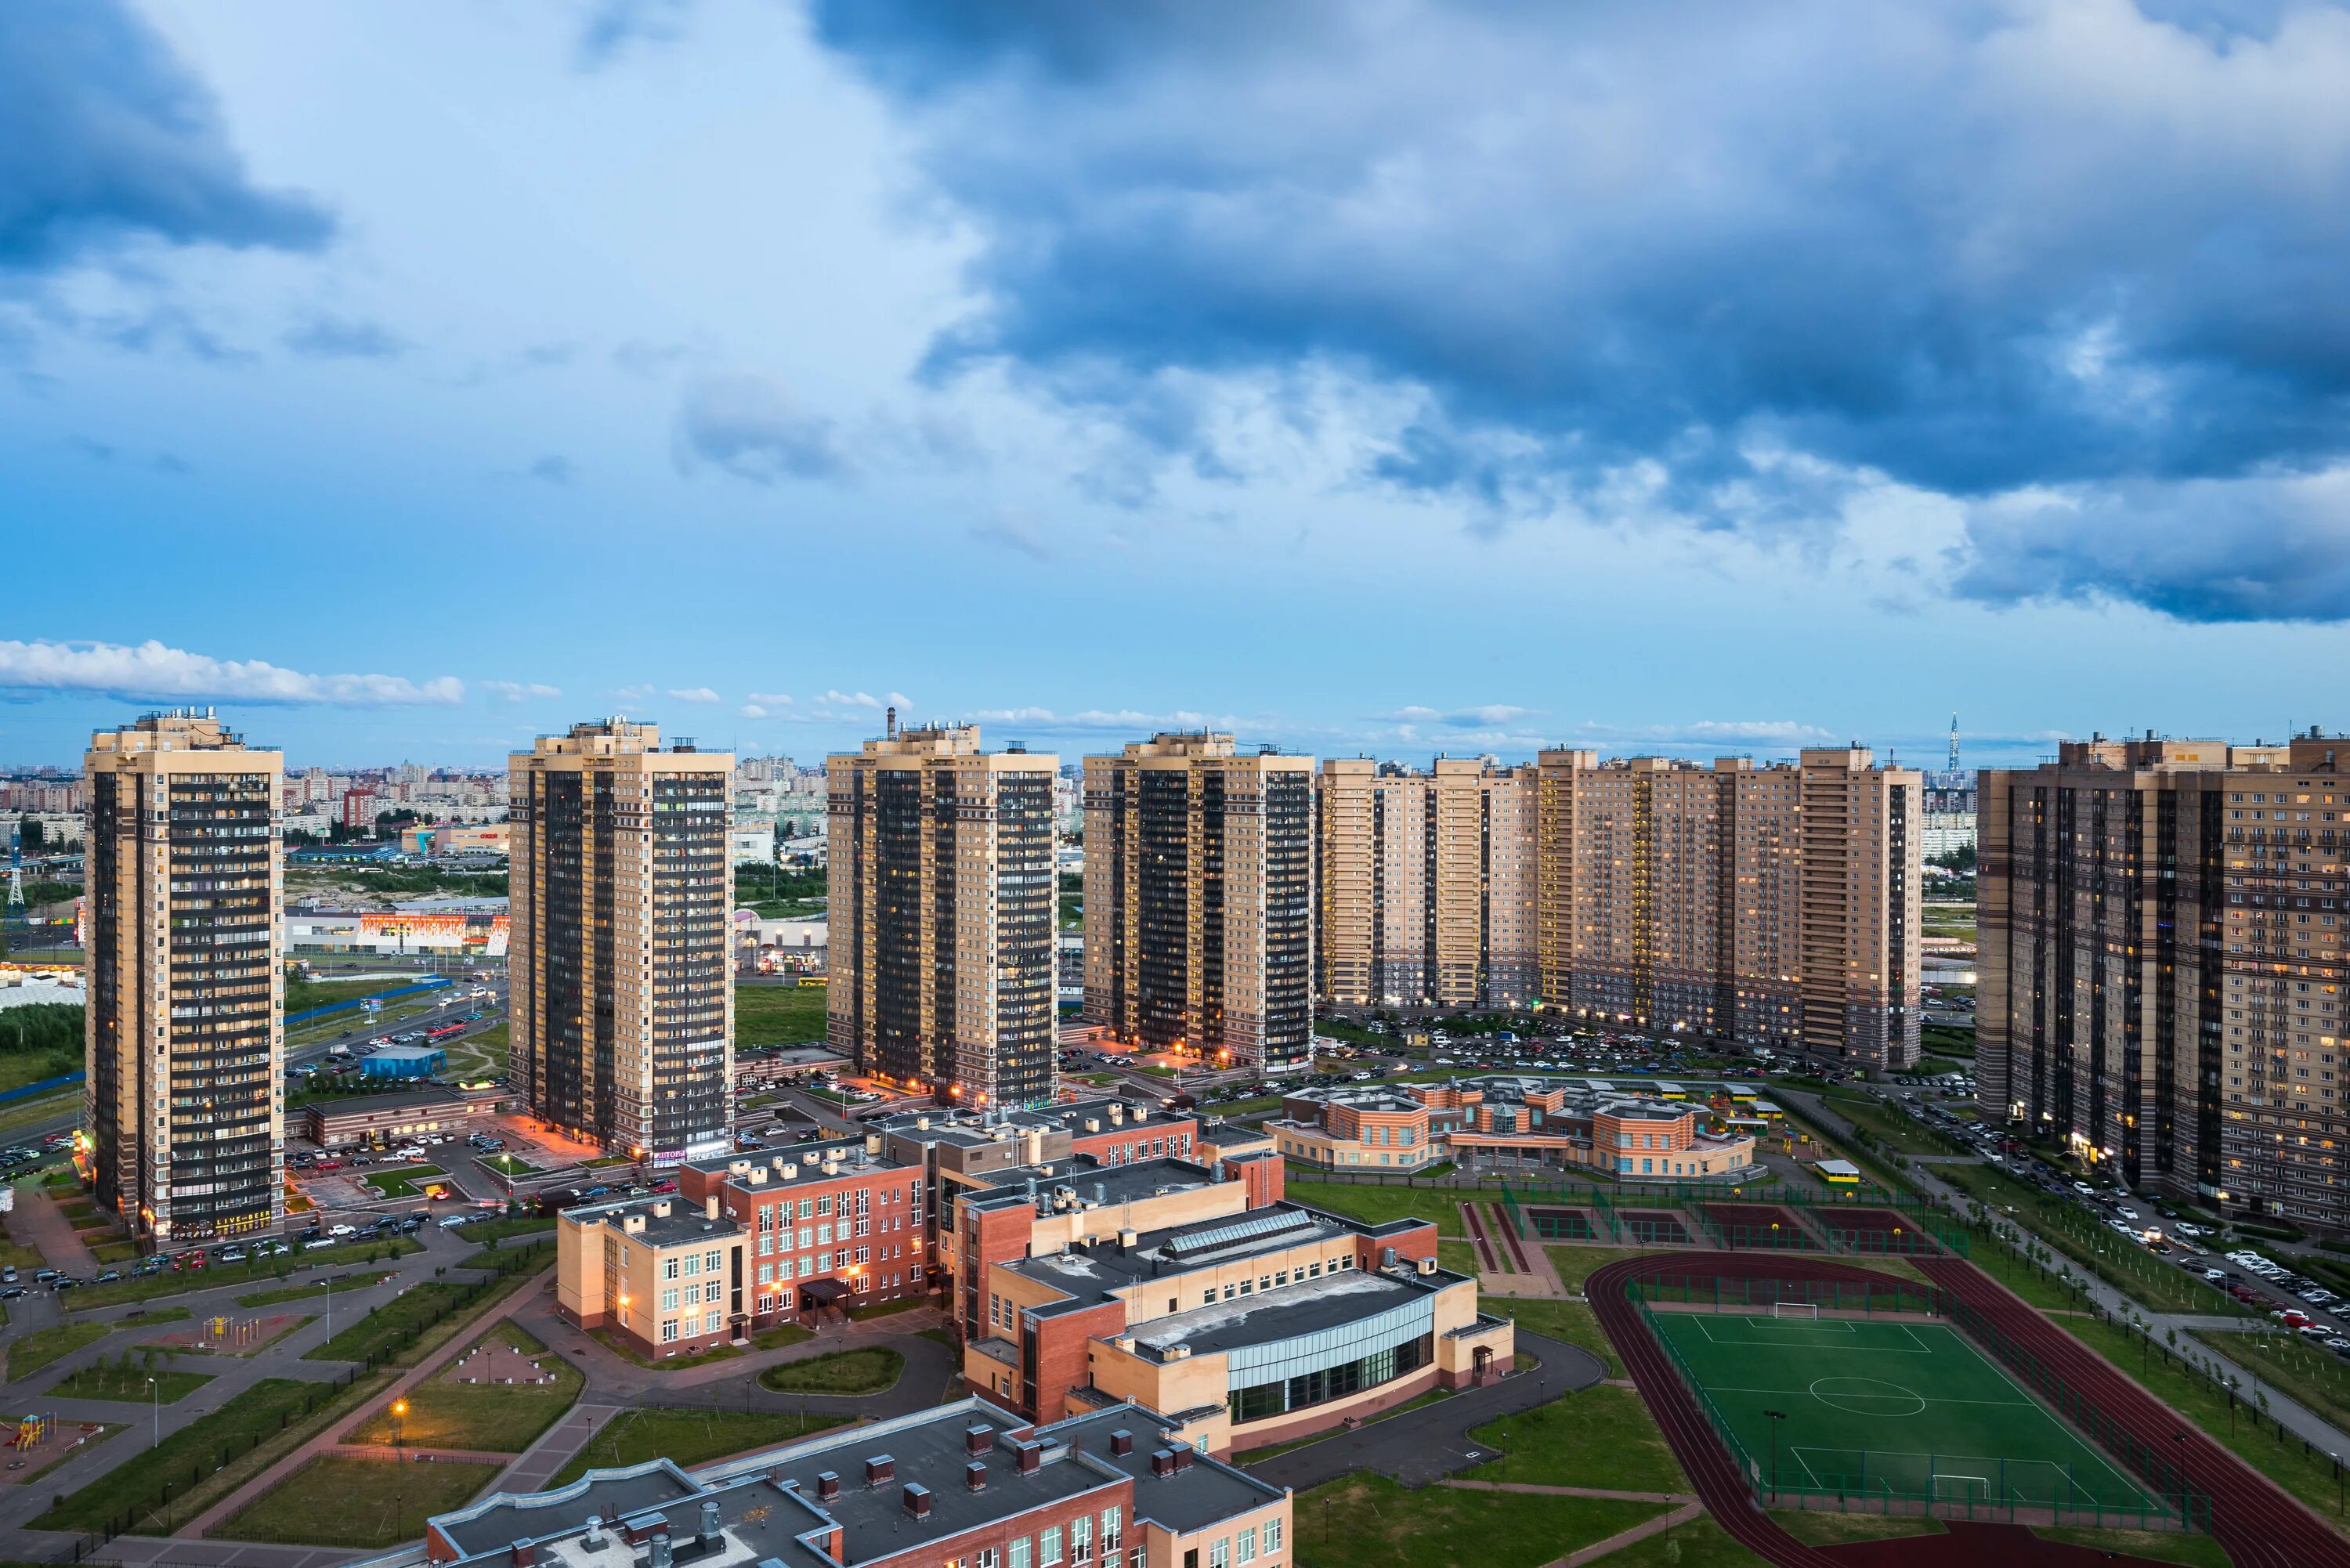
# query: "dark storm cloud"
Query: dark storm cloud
{"points": [[105, 136], [1975, 247]]}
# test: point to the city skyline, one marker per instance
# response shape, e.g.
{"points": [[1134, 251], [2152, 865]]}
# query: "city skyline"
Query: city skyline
{"points": [[759, 312]]}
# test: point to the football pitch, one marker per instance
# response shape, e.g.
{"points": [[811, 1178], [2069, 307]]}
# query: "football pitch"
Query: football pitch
{"points": [[1905, 1409]]}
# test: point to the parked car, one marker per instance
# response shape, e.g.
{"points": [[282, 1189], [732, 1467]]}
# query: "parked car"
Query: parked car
{"points": [[342, 1230]]}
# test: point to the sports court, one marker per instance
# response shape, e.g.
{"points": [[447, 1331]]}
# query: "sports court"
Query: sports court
{"points": [[1908, 1409]]}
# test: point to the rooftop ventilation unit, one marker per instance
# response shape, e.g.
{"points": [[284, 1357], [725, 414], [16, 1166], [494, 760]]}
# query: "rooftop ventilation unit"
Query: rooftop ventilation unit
{"points": [[918, 1499]]}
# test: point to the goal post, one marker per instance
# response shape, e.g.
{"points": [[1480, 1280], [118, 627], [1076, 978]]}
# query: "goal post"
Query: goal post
{"points": [[1795, 1309], [1950, 1487]]}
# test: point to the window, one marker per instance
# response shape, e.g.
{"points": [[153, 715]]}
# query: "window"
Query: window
{"points": [[1081, 1538], [808, 1211], [693, 1295], [1220, 1553], [669, 1300], [668, 1268], [1272, 1536], [713, 1262], [987, 1557], [1017, 1554], [669, 1330], [1113, 1522], [712, 1321], [1248, 1544], [693, 1264], [1049, 1547]]}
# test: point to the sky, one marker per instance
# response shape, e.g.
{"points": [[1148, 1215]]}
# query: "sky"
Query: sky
{"points": [[1396, 376]]}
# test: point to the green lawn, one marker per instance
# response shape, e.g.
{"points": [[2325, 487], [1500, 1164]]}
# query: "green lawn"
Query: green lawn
{"points": [[1699, 1543], [393, 1327], [867, 1370], [782, 1334], [265, 1410], [1895, 1129], [323, 1287], [401, 1183], [336, 1500], [1869, 1405], [36, 1349], [778, 1015], [507, 1164], [1378, 1205], [487, 1230], [493, 1418], [2316, 1378], [887, 1308], [116, 1382], [690, 1437], [1573, 1321], [1361, 1519], [613, 1340], [1602, 1436]]}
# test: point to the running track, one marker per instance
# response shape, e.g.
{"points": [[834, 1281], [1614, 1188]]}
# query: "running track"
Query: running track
{"points": [[2259, 1523]]}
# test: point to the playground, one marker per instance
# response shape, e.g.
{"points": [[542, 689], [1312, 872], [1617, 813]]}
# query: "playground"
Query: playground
{"points": [[233, 1335], [42, 1440]]}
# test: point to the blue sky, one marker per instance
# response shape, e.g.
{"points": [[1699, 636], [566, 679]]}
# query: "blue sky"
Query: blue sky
{"points": [[1398, 375]]}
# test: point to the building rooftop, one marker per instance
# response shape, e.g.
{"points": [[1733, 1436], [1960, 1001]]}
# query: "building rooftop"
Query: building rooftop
{"points": [[1091, 1273], [1287, 1312], [398, 1100], [683, 1222], [773, 1507], [1084, 1180]]}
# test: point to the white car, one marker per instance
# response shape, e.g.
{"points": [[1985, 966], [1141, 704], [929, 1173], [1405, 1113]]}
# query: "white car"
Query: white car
{"points": [[342, 1230]]}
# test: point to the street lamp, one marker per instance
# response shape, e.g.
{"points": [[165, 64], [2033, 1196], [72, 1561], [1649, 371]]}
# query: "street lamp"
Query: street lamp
{"points": [[2185, 1505], [1776, 1417], [155, 1403], [398, 1411]]}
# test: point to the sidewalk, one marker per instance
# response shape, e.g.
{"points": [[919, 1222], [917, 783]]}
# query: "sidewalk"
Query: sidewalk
{"points": [[37, 1224], [330, 1440]]}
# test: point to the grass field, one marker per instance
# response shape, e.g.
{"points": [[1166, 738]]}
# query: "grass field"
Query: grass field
{"points": [[1866, 1407], [688, 1437], [1362, 1518], [402, 1183], [778, 1015], [867, 1370], [129, 1382], [491, 1418], [334, 1501], [38, 1348], [323, 1287]]}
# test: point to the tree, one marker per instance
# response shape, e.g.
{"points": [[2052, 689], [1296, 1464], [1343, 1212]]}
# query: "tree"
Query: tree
{"points": [[31, 835]]}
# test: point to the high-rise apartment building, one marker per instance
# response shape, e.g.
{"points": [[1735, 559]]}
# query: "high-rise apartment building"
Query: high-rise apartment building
{"points": [[1775, 906], [2162, 935], [1424, 885], [943, 914], [183, 1099], [1199, 894], [622, 994]]}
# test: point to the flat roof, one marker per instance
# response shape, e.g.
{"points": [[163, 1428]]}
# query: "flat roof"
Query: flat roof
{"points": [[397, 1100], [1090, 1274], [1343, 1297]]}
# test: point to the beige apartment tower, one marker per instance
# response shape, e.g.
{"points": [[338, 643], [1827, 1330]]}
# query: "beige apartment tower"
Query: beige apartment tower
{"points": [[1200, 899], [942, 914], [2162, 933], [622, 996], [1776, 906], [185, 1046], [1424, 885]]}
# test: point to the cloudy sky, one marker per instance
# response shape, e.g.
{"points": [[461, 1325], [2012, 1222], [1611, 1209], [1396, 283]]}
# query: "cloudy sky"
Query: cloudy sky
{"points": [[1390, 375]]}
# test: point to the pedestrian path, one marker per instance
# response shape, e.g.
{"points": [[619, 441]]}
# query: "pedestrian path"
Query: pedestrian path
{"points": [[1639, 1532], [556, 1447], [37, 1224]]}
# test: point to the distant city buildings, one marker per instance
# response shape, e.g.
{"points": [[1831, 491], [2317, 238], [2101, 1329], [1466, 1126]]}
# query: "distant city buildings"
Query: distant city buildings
{"points": [[2162, 932], [940, 914], [1425, 885], [622, 999], [1199, 899], [182, 1101]]}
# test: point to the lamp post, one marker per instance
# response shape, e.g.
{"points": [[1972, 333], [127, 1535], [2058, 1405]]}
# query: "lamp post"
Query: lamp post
{"points": [[155, 1404], [399, 1434], [2184, 1495], [1776, 1417]]}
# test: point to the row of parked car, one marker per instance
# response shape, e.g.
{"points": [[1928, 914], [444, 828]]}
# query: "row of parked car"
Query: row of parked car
{"points": [[2307, 1290]]}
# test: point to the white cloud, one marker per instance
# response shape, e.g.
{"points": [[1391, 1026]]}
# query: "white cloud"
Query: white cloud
{"points": [[751, 711], [151, 670], [521, 690], [639, 693], [770, 699], [1489, 714], [694, 694], [854, 699]]}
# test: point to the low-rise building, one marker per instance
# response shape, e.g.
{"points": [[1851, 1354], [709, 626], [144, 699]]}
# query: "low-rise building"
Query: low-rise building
{"points": [[966, 1483], [1660, 1134], [409, 1113]]}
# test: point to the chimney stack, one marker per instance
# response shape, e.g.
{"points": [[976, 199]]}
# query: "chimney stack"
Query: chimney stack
{"points": [[893, 722], [828, 1486], [918, 1499], [975, 1475]]}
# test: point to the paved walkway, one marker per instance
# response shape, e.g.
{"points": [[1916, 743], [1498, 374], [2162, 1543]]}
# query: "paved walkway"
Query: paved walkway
{"points": [[1639, 1532], [1431, 1442], [556, 1447], [37, 1224], [330, 1440]]}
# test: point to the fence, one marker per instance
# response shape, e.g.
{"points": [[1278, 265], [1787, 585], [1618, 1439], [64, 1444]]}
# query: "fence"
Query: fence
{"points": [[1864, 1481], [1923, 1230]]}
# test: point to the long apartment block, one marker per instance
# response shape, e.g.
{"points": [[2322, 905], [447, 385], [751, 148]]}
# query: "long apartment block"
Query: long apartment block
{"points": [[1776, 905], [185, 1046], [622, 997], [942, 914], [1199, 900], [1424, 885], [2162, 930]]}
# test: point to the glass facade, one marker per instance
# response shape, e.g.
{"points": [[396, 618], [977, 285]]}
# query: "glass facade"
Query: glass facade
{"points": [[1331, 1363]]}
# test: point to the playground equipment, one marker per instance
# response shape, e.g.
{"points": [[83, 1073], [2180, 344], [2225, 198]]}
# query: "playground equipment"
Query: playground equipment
{"points": [[32, 1431], [241, 1334]]}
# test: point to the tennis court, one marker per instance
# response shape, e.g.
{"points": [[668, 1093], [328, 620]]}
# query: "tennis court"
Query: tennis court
{"points": [[1906, 1410]]}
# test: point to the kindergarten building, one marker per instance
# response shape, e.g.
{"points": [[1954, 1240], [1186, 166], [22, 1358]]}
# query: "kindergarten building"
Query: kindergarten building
{"points": [[1561, 1123]]}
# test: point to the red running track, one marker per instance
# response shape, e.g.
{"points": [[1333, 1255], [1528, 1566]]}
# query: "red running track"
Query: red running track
{"points": [[2258, 1524]]}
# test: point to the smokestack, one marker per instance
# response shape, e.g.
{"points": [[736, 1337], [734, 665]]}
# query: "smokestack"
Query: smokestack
{"points": [[893, 722]]}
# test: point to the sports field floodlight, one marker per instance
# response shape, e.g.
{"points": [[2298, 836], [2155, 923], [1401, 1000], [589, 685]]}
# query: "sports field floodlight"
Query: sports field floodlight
{"points": [[1776, 1417]]}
